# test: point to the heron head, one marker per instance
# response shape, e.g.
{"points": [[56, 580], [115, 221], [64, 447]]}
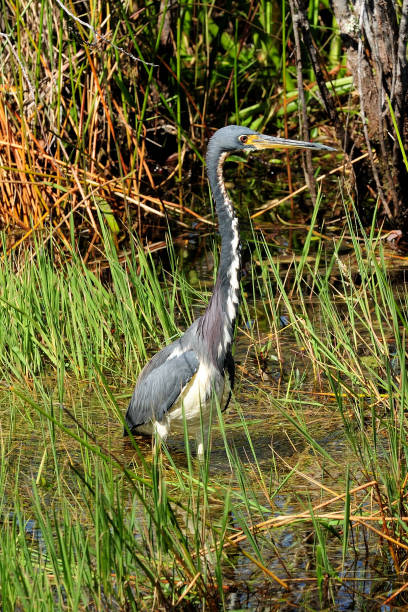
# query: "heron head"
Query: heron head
{"points": [[238, 138]]}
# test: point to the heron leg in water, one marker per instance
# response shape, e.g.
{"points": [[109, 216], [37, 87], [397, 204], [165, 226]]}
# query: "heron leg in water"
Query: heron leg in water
{"points": [[204, 429], [160, 433], [202, 441]]}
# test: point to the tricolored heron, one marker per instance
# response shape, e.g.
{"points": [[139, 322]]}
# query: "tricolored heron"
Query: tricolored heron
{"points": [[179, 383]]}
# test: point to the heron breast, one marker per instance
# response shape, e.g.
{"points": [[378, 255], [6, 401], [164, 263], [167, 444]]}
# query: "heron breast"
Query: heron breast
{"points": [[195, 399]]}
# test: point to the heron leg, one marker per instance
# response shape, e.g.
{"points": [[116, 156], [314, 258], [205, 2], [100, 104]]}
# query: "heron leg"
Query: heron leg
{"points": [[161, 430], [202, 441], [160, 433]]}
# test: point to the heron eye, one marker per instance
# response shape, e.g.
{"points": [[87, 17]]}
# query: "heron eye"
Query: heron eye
{"points": [[243, 139]]}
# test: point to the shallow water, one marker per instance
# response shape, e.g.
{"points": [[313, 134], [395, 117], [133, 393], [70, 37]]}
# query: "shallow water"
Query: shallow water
{"points": [[288, 552], [271, 447]]}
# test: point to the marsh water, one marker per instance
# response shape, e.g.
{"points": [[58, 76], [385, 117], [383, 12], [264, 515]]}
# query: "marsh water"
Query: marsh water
{"points": [[268, 444]]}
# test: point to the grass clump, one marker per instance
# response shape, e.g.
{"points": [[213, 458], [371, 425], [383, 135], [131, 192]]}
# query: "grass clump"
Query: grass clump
{"points": [[306, 477]]}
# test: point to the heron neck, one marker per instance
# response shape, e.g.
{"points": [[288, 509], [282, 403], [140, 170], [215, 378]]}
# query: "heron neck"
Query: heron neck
{"points": [[220, 315]]}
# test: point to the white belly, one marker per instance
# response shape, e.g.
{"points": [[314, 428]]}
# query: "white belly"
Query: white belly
{"points": [[196, 399], [193, 405]]}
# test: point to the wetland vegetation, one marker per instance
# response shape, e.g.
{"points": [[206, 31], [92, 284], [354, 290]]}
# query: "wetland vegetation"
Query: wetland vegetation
{"points": [[109, 252], [302, 499]]}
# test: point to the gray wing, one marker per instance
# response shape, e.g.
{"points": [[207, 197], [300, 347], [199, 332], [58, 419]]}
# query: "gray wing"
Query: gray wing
{"points": [[159, 386]]}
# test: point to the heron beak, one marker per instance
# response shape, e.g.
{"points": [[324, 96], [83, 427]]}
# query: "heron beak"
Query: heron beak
{"points": [[259, 141]]}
